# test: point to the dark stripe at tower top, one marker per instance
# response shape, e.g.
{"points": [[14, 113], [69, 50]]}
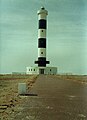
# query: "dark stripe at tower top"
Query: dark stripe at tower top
{"points": [[42, 24]]}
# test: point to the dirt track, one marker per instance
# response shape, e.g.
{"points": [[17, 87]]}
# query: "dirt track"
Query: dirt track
{"points": [[53, 98]]}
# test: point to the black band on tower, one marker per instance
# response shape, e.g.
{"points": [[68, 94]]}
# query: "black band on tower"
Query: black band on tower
{"points": [[42, 59], [42, 24], [42, 62], [42, 43]]}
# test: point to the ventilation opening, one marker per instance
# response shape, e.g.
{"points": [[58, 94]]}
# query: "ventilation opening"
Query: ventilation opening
{"points": [[41, 52]]}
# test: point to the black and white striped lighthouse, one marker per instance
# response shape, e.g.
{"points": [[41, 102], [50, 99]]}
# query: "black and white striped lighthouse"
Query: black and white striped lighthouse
{"points": [[42, 26]]}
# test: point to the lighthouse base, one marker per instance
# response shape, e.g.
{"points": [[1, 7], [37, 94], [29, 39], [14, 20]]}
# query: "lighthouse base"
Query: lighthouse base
{"points": [[41, 70]]}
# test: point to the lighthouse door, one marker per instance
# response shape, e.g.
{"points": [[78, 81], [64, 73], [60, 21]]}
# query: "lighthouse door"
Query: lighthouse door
{"points": [[41, 71]]}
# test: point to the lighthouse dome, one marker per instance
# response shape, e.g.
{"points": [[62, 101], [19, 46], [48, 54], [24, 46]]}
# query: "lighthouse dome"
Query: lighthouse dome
{"points": [[42, 8]]}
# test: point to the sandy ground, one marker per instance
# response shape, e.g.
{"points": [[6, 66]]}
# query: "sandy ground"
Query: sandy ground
{"points": [[54, 99], [9, 98], [76, 78]]}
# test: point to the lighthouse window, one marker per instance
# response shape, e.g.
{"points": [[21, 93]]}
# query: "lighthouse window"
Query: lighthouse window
{"points": [[41, 52], [42, 30], [34, 69], [50, 69]]}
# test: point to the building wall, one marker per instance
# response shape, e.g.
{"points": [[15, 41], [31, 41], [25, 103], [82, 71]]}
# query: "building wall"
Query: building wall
{"points": [[47, 70], [51, 70], [32, 70]]}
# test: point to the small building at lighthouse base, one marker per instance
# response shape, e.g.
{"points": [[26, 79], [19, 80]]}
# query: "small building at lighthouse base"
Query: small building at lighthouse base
{"points": [[41, 70]]}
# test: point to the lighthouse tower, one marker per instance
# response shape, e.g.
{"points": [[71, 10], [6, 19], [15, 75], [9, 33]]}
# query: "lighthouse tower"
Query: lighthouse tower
{"points": [[42, 26], [42, 61]]}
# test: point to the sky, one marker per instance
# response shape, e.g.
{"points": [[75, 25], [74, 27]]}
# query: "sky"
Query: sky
{"points": [[66, 35]]}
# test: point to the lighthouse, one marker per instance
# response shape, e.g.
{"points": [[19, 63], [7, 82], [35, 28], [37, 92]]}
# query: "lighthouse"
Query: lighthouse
{"points": [[41, 62], [42, 27]]}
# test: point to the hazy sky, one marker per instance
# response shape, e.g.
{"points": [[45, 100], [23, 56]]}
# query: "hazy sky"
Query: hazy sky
{"points": [[66, 35]]}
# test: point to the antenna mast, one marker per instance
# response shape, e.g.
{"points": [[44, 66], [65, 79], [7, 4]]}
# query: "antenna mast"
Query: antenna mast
{"points": [[43, 2]]}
